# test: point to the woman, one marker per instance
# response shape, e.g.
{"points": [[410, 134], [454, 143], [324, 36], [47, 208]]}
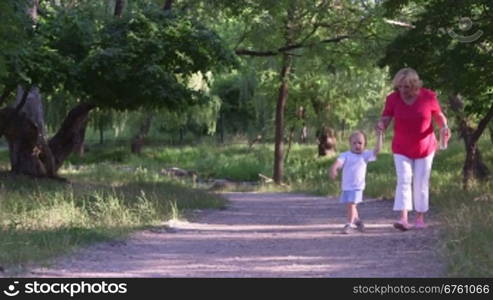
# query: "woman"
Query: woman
{"points": [[413, 109]]}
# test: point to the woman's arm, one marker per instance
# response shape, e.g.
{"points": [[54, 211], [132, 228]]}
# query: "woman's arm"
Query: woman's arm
{"points": [[441, 121]]}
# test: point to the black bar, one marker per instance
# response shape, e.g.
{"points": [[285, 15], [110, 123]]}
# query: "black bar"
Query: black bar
{"points": [[232, 288]]}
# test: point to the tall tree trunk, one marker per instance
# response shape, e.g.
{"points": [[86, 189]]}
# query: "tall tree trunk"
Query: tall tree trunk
{"points": [[138, 140], [181, 136], [221, 127], [33, 10], [167, 4], [281, 104], [490, 127], [290, 143], [29, 151], [22, 135], [101, 134], [119, 6], [473, 164]]}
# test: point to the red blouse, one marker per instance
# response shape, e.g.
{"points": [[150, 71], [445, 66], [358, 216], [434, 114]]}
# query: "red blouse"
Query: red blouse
{"points": [[414, 134]]}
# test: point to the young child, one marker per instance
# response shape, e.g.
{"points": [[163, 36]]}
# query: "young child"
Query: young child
{"points": [[353, 164]]}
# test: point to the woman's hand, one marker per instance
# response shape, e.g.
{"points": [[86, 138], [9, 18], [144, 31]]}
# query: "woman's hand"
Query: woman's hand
{"points": [[382, 124], [446, 133]]}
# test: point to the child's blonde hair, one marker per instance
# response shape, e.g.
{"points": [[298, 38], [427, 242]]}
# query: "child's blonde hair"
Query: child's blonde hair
{"points": [[356, 132]]}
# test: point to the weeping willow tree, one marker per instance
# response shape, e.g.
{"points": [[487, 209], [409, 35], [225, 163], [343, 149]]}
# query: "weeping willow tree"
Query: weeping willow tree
{"points": [[235, 91], [285, 35]]}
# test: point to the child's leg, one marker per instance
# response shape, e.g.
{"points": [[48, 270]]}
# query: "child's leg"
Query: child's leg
{"points": [[352, 213]]}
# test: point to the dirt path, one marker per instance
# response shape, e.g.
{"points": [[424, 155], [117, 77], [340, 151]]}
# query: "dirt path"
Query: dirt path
{"points": [[264, 235]]}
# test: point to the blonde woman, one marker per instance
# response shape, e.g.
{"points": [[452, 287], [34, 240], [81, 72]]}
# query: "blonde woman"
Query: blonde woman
{"points": [[413, 109]]}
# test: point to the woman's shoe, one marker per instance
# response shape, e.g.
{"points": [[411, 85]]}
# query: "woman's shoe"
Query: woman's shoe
{"points": [[402, 226], [420, 224]]}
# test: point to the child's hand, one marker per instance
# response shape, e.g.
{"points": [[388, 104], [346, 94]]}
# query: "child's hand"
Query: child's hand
{"points": [[333, 173]]}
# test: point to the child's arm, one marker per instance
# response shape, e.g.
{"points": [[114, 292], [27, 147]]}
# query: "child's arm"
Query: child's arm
{"points": [[334, 168], [378, 145]]}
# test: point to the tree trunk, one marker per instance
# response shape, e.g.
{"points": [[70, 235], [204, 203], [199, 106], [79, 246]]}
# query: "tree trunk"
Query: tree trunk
{"points": [[326, 142], [24, 130], [473, 164], [181, 136], [290, 142], [79, 147], [221, 127], [70, 134], [101, 134], [490, 127], [22, 136], [138, 140], [167, 4], [119, 5], [279, 134]]}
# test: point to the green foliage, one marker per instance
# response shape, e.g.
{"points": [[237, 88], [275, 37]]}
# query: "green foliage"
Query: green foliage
{"points": [[236, 92], [447, 56], [143, 59], [347, 97], [13, 34]]}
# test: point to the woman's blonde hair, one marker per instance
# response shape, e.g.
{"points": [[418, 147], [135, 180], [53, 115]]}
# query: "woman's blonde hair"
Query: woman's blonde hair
{"points": [[409, 76], [358, 132]]}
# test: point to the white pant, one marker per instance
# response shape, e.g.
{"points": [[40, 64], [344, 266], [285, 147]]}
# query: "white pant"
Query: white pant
{"points": [[413, 176]]}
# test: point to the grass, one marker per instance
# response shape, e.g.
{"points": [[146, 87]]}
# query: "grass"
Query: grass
{"points": [[113, 193], [43, 218]]}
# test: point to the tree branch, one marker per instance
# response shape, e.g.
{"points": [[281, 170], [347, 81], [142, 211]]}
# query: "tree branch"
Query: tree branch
{"points": [[336, 39], [23, 99], [255, 53], [287, 48], [482, 124], [399, 23]]}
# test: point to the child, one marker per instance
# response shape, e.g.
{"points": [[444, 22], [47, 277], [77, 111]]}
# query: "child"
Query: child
{"points": [[353, 164]]}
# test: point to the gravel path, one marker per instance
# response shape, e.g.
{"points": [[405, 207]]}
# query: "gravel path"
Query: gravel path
{"points": [[264, 235]]}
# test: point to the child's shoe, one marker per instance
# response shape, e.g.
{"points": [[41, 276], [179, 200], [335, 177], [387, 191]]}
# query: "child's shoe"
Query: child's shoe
{"points": [[360, 226], [348, 228], [402, 226]]}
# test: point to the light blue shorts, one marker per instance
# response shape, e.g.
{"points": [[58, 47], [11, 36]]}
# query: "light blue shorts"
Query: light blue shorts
{"points": [[354, 196]]}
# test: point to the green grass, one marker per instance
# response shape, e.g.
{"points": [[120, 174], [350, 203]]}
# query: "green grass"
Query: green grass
{"points": [[113, 192], [43, 218]]}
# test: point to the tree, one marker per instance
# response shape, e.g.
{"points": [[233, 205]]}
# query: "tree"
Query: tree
{"points": [[289, 30], [452, 53], [142, 59]]}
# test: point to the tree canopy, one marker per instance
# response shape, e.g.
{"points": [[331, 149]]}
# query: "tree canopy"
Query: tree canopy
{"points": [[141, 59], [450, 46]]}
